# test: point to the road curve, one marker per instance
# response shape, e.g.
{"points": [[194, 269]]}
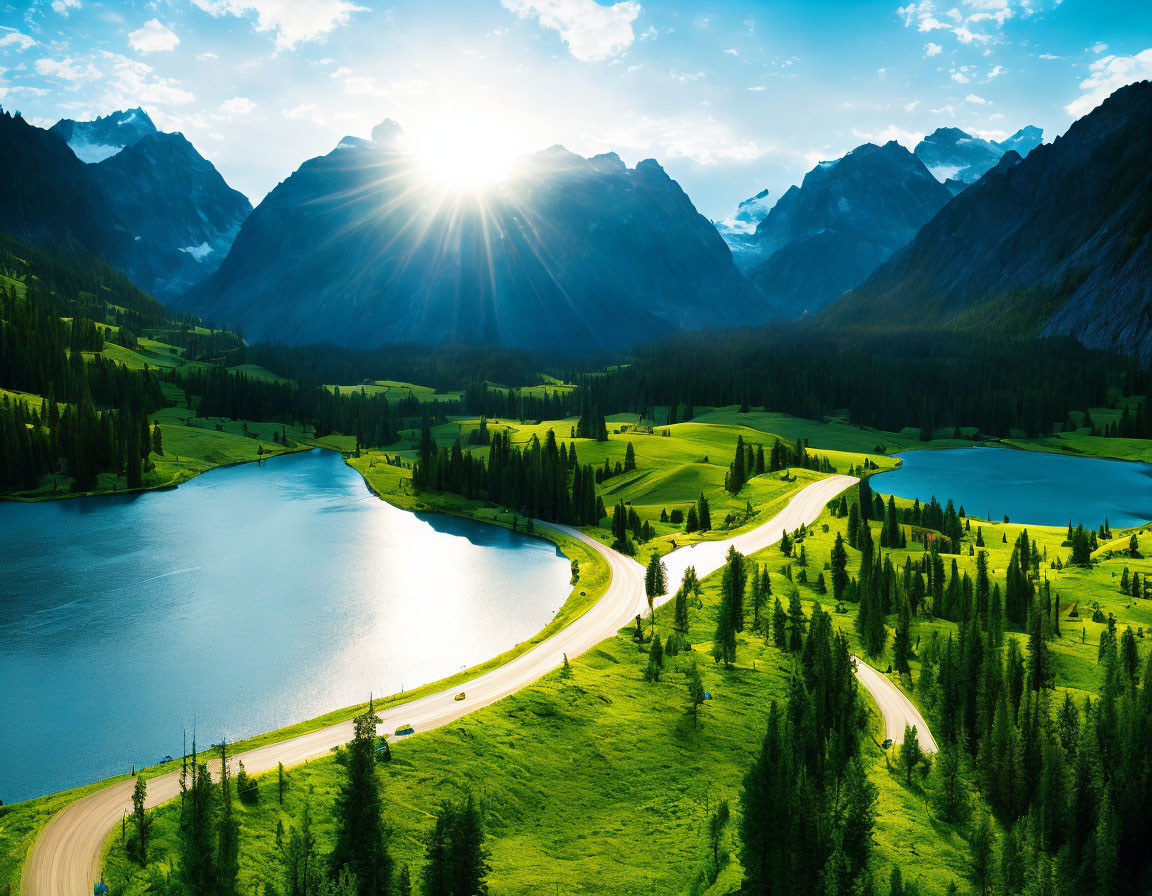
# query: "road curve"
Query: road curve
{"points": [[895, 706], [65, 859]]}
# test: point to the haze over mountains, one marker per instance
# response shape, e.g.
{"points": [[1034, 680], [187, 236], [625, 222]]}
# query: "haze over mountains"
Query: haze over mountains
{"points": [[832, 231], [850, 214], [957, 159], [360, 247]]}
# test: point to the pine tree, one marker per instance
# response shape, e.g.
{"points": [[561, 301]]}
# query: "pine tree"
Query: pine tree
{"points": [[736, 472], [360, 845], [655, 582], [902, 643], [695, 692], [724, 639], [228, 846], [140, 819], [629, 458], [910, 754], [796, 623], [779, 626], [839, 568]]}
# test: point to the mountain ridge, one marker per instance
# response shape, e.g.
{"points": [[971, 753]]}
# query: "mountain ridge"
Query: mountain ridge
{"points": [[356, 247], [1057, 243]]}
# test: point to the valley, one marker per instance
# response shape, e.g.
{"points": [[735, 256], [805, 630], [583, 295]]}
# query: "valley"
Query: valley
{"points": [[407, 486]]}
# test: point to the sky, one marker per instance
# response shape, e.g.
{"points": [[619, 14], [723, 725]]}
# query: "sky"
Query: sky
{"points": [[730, 97]]}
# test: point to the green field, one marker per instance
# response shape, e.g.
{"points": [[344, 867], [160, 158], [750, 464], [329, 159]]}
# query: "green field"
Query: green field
{"points": [[596, 783]]}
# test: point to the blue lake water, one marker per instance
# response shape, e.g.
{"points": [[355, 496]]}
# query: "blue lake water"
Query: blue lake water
{"points": [[249, 598], [1029, 486]]}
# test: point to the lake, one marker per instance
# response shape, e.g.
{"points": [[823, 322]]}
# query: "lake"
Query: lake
{"points": [[1029, 486], [250, 598]]}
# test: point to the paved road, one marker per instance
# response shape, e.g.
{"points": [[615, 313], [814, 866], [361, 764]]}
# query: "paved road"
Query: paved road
{"points": [[65, 859], [895, 706]]}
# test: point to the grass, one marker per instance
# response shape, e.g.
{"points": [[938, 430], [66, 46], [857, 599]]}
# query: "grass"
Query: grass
{"points": [[597, 784], [20, 823]]}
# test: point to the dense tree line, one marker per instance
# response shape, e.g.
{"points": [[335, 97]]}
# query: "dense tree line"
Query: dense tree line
{"points": [[808, 806], [888, 381], [543, 481], [1069, 783]]}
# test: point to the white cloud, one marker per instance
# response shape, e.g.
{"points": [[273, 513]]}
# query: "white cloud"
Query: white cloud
{"points": [[130, 82], [1107, 75], [1098, 47], [931, 49], [10, 37], [204, 57], [591, 31], [153, 37], [959, 77], [705, 141], [911, 107], [293, 21], [1048, 56], [306, 112], [907, 139], [362, 85], [732, 51], [971, 22], [66, 70], [237, 107], [995, 72], [977, 100], [63, 7]]}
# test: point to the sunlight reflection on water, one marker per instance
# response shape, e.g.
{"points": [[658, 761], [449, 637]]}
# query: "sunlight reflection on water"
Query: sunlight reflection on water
{"points": [[247, 599]]}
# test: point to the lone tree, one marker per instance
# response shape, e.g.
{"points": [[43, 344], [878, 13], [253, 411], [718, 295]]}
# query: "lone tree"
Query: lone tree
{"points": [[140, 819], [910, 754], [695, 692], [689, 589], [360, 845], [455, 858], [655, 581], [839, 568]]}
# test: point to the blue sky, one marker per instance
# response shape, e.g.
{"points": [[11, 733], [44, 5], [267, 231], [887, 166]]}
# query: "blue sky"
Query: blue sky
{"points": [[730, 97]]}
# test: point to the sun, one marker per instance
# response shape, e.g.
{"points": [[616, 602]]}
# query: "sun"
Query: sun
{"points": [[463, 155]]}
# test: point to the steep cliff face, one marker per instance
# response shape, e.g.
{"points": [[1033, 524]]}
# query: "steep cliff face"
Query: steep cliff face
{"points": [[46, 193], [1057, 243], [95, 141], [840, 224], [176, 216], [957, 158], [155, 208], [357, 247]]}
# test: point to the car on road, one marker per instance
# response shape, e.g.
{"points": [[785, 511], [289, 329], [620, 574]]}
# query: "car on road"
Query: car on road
{"points": [[404, 730]]}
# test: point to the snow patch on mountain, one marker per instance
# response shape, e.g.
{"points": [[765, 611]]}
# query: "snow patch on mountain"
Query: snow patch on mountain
{"points": [[198, 252]]}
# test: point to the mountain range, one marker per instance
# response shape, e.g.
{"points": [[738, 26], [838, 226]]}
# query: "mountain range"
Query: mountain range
{"points": [[850, 214], [573, 254], [144, 201], [958, 159], [97, 140], [359, 247], [845, 219], [1058, 243]]}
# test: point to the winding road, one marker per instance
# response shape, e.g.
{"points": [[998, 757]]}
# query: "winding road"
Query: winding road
{"points": [[65, 859]]}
